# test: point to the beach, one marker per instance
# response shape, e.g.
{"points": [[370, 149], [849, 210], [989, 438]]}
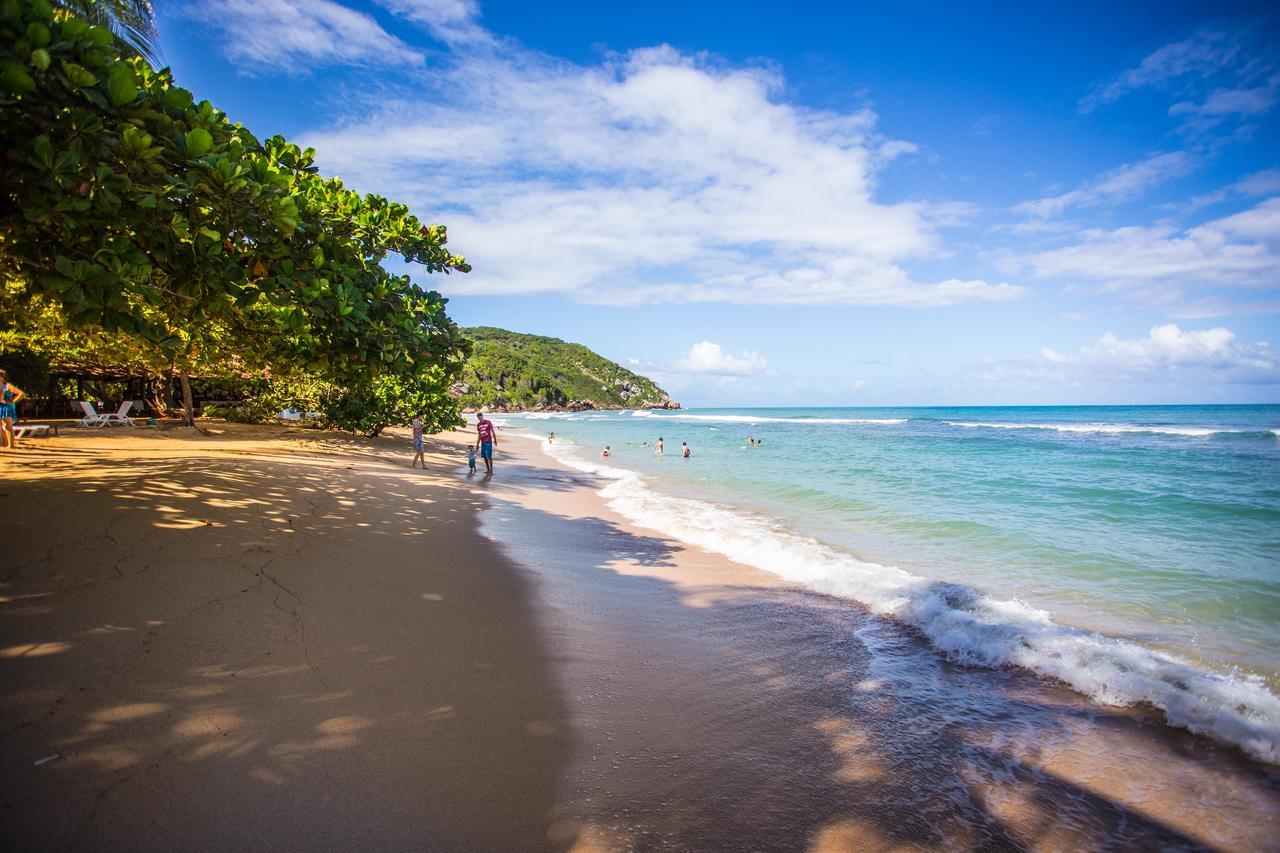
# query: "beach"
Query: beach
{"points": [[265, 637]]}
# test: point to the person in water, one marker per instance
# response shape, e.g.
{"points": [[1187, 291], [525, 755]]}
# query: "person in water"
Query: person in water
{"points": [[657, 448], [418, 448], [488, 440], [605, 452], [10, 395], [684, 450]]}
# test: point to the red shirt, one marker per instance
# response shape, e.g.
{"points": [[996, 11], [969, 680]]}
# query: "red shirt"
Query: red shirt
{"points": [[485, 429]]}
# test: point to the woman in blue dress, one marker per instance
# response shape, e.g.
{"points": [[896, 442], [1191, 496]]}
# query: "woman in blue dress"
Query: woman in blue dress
{"points": [[9, 397]]}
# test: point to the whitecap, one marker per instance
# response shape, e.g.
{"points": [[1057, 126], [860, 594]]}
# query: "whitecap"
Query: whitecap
{"points": [[961, 622]]}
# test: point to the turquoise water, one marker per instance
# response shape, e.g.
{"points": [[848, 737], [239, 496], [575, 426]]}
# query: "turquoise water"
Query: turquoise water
{"points": [[1158, 527]]}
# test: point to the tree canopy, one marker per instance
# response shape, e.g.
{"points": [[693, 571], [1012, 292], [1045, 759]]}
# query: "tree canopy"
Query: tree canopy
{"points": [[130, 208]]}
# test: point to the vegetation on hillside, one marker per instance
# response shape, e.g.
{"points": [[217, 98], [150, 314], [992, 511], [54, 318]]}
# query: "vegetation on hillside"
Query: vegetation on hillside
{"points": [[145, 226], [509, 370]]}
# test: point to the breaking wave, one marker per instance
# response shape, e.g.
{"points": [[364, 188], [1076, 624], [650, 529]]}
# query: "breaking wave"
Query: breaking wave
{"points": [[962, 623]]}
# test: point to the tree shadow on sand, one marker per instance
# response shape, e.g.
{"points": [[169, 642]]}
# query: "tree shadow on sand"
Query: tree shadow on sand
{"points": [[265, 651]]}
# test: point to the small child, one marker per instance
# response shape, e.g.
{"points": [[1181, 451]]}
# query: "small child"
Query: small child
{"points": [[418, 448], [471, 458]]}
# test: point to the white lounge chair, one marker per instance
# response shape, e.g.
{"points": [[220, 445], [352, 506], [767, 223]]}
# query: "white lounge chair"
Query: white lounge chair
{"points": [[25, 430], [120, 417], [117, 418], [91, 417]]}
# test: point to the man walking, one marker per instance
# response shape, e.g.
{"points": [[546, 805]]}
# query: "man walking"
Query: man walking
{"points": [[488, 439]]}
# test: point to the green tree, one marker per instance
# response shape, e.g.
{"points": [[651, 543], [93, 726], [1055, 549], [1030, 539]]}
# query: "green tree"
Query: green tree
{"points": [[138, 211]]}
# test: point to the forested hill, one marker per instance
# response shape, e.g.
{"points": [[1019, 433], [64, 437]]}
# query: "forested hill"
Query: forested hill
{"points": [[511, 371]]}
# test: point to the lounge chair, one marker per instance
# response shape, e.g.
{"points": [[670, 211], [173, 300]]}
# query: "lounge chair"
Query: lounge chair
{"points": [[25, 430], [120, 417], [91, 417], [117, 418]]}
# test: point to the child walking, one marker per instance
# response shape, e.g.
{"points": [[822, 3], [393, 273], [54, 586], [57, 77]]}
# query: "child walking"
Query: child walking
{"points": [[471, 458], [417, 444]]}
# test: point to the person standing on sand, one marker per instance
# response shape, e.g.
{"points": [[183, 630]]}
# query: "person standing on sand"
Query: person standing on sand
{"points": [[657, 448], [9, 397], [684, 450], [417, 444], [488, 440], [471, 459]]}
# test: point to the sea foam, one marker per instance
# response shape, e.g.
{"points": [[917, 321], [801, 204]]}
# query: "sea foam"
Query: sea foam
{"points": [[962, 623], [1193, 432]]}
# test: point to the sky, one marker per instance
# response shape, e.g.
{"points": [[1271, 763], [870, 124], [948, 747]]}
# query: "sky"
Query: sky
{"points": [[835, 204]]}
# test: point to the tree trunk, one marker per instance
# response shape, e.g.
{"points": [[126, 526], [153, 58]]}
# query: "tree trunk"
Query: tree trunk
{"points": [[188, 405]]}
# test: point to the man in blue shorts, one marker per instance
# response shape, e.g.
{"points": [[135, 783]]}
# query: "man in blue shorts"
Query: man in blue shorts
{"points": [[488, 440]]}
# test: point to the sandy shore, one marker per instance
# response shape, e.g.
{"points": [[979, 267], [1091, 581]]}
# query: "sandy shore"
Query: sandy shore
{"points": [[249, 641], [275, 639]]}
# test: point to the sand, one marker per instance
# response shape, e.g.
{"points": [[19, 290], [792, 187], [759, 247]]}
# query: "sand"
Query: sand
{"points": [[249, 641], [269, 638]]}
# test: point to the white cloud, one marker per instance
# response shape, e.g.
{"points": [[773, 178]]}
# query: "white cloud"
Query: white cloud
{"points": [[1237, 251], [1239, 101], [1169, 351], [1265, 182], [454, 21], [709, 359], [1201, 55], [653, 176], [1216, 76], [1118, 185], [1168, 354], [295, 36]]}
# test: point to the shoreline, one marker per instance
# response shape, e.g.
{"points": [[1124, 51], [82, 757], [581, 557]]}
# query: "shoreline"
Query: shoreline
{"points": [[508, 664], [1119, 774], [1206, 676]]}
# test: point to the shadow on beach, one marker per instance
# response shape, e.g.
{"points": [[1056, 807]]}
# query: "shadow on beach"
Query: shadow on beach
{"points": [[259, 648]]}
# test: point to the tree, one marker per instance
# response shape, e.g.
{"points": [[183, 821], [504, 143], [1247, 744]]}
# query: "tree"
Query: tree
{"points": [[133, 22], [138, 211], [371, 407]]}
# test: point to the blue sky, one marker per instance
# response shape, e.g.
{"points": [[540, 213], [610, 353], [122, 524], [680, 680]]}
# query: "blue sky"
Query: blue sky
{"points": [[828, 204]]}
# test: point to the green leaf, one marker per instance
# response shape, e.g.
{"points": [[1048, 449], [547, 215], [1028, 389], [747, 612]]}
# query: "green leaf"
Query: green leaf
{"points": [[40, 59], [198, 142], [177, 99], [78, 76], [74, 27], [16, 80], [43, 150], [122, 86], [101, 36], [37, 34]]}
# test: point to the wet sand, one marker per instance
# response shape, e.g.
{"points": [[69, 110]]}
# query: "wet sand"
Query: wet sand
{"points": [[714, 707], [275, 639]]}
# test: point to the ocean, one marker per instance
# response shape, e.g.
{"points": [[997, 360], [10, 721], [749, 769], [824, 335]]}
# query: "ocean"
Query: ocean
{"points": [[1129, 552]]}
